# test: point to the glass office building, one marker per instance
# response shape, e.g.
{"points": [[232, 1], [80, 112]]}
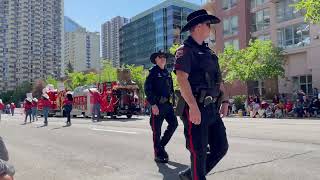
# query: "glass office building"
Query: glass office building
{"points": [[155, 29]]}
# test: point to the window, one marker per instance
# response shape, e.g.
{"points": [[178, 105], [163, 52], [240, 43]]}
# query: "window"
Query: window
{"points": [[264, 37], [259, 88], [255, 3], [304, 83], [228, 4], [286, 12], [233, 42], [261, 20], [294, 36], [230, 26]]}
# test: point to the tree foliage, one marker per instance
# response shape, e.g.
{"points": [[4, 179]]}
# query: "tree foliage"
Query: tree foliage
{"points": [[174, 48], [69, 68], [260, 60], [311, 8], [18, 95], [108, 73], [51, 80], [138, 75]]}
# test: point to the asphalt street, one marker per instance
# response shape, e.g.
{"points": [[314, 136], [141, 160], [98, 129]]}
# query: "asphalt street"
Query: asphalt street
{"points": [[121, 149]]}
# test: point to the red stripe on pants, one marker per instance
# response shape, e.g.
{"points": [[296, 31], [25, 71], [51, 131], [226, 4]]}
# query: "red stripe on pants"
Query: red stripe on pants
{"points": [[195, 176], [154, 135]]}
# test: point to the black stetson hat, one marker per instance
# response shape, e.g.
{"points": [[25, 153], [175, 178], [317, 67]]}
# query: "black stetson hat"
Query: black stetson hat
{"points": [[155, 55], [198, 17]]}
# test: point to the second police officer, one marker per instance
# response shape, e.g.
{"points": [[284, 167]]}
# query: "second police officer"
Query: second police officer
{"points": [[160, 94], [199, 79]]}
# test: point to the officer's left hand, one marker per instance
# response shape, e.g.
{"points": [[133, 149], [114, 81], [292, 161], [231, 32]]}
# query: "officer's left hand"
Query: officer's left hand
{"points": [[224, 110]]}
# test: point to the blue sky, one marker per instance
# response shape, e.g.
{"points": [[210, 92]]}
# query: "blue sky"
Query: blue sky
{"points": [[92, 13]]}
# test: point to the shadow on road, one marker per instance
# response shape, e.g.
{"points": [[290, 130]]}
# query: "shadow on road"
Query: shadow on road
{"points": [[42, 126], [171, 169], [122, 119], [65, 126]]}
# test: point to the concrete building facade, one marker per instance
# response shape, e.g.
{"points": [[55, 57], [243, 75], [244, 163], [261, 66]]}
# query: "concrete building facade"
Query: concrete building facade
{"points": [[31, 38], [110, 38], [82, 50]]}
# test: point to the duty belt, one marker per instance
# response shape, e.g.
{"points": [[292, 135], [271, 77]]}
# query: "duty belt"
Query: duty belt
{"points": [[209, 100], [204, 99], [163, 100]]}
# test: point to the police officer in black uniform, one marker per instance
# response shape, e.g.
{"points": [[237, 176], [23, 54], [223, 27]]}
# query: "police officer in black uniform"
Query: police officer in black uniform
{"points": [[159, 91], [199, 79]]}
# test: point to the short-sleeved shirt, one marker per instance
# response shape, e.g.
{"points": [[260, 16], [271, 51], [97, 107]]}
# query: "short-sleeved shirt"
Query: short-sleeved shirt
{"points": [[158, 84], [199, 61]]}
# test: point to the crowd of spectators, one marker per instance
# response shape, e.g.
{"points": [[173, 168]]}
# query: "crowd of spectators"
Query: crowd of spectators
{"points": [[299, 104]]}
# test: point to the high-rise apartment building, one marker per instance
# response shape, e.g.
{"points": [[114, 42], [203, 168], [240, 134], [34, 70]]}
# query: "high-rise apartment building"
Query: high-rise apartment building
{"points": [[110, 39], [82, 50], [70, 25], [31, 34]]}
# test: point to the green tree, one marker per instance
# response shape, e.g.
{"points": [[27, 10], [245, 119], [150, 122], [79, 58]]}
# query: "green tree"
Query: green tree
{"points": [[138, 75], [75, 79], [108, 73], [7, 97], [51, 80], [312, 9], [91, 78], [259, 61], [173, 49], [69, 68], [20, 93]]}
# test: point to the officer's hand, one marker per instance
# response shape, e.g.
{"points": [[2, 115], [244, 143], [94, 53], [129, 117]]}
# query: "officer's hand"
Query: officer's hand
{"points": [[224, 110], [195, 115], [155, 110], [179, 53]]}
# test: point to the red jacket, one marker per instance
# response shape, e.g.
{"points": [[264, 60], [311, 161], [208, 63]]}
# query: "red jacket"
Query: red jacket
{"points": [[67, 102], [96, 97], [34, 104], [12, 106], [27, 106], [46, 103], [1, 106]]}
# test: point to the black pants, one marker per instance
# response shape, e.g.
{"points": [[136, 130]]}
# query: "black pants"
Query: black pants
{"points": [[212, 132], [68, 114], [165, 112]]}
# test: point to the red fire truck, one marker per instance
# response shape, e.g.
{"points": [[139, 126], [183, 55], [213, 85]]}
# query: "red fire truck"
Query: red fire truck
{"points": [[116, 100], [56, 98]]}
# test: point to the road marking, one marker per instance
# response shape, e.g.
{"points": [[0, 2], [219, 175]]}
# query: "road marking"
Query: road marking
{"points": [[110, 130]]}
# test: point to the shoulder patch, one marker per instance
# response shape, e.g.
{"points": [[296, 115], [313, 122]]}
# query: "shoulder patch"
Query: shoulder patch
{"points": [[182, 50]]}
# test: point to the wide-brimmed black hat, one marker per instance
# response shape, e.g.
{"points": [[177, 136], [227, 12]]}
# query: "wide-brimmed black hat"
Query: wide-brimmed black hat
{"points": [[156, 54], [198, 17]]}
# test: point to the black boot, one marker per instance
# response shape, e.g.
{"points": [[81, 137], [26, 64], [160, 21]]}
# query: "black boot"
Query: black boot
{"points": [[160, 159], [185, 175], [164, 153]]}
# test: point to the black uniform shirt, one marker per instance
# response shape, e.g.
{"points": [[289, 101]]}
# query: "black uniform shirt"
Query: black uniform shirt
{"points": [[158, 84], [196, 60]]}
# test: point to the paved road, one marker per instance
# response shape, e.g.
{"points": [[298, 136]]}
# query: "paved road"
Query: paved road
{"points": [[260, 149]]}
